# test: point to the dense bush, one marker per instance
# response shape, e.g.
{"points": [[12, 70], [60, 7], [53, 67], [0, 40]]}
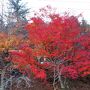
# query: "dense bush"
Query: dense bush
{"points": [[58, 45]]}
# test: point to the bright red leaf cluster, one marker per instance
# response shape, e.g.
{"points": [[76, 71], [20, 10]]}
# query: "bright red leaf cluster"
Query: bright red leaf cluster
{"points": [[58, 41]]}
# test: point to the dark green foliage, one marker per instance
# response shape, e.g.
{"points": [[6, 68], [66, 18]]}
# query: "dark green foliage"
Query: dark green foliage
{"points": [[19, 9]]}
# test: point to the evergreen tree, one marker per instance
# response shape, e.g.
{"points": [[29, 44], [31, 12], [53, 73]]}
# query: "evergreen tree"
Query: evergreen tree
{"points": [[19, 9], [17, 16]]}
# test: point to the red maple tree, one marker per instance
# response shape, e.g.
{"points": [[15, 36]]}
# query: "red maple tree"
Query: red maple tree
{"points": [[58, 44]]}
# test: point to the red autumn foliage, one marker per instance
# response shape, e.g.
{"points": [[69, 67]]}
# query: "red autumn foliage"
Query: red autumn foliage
{"points": [[59, 41]]}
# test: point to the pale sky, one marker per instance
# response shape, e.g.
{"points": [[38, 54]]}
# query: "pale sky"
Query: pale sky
{"points": [[75, 7]]}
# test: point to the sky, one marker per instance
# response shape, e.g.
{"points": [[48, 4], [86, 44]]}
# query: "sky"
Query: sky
{"points": [[75, 7]]}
